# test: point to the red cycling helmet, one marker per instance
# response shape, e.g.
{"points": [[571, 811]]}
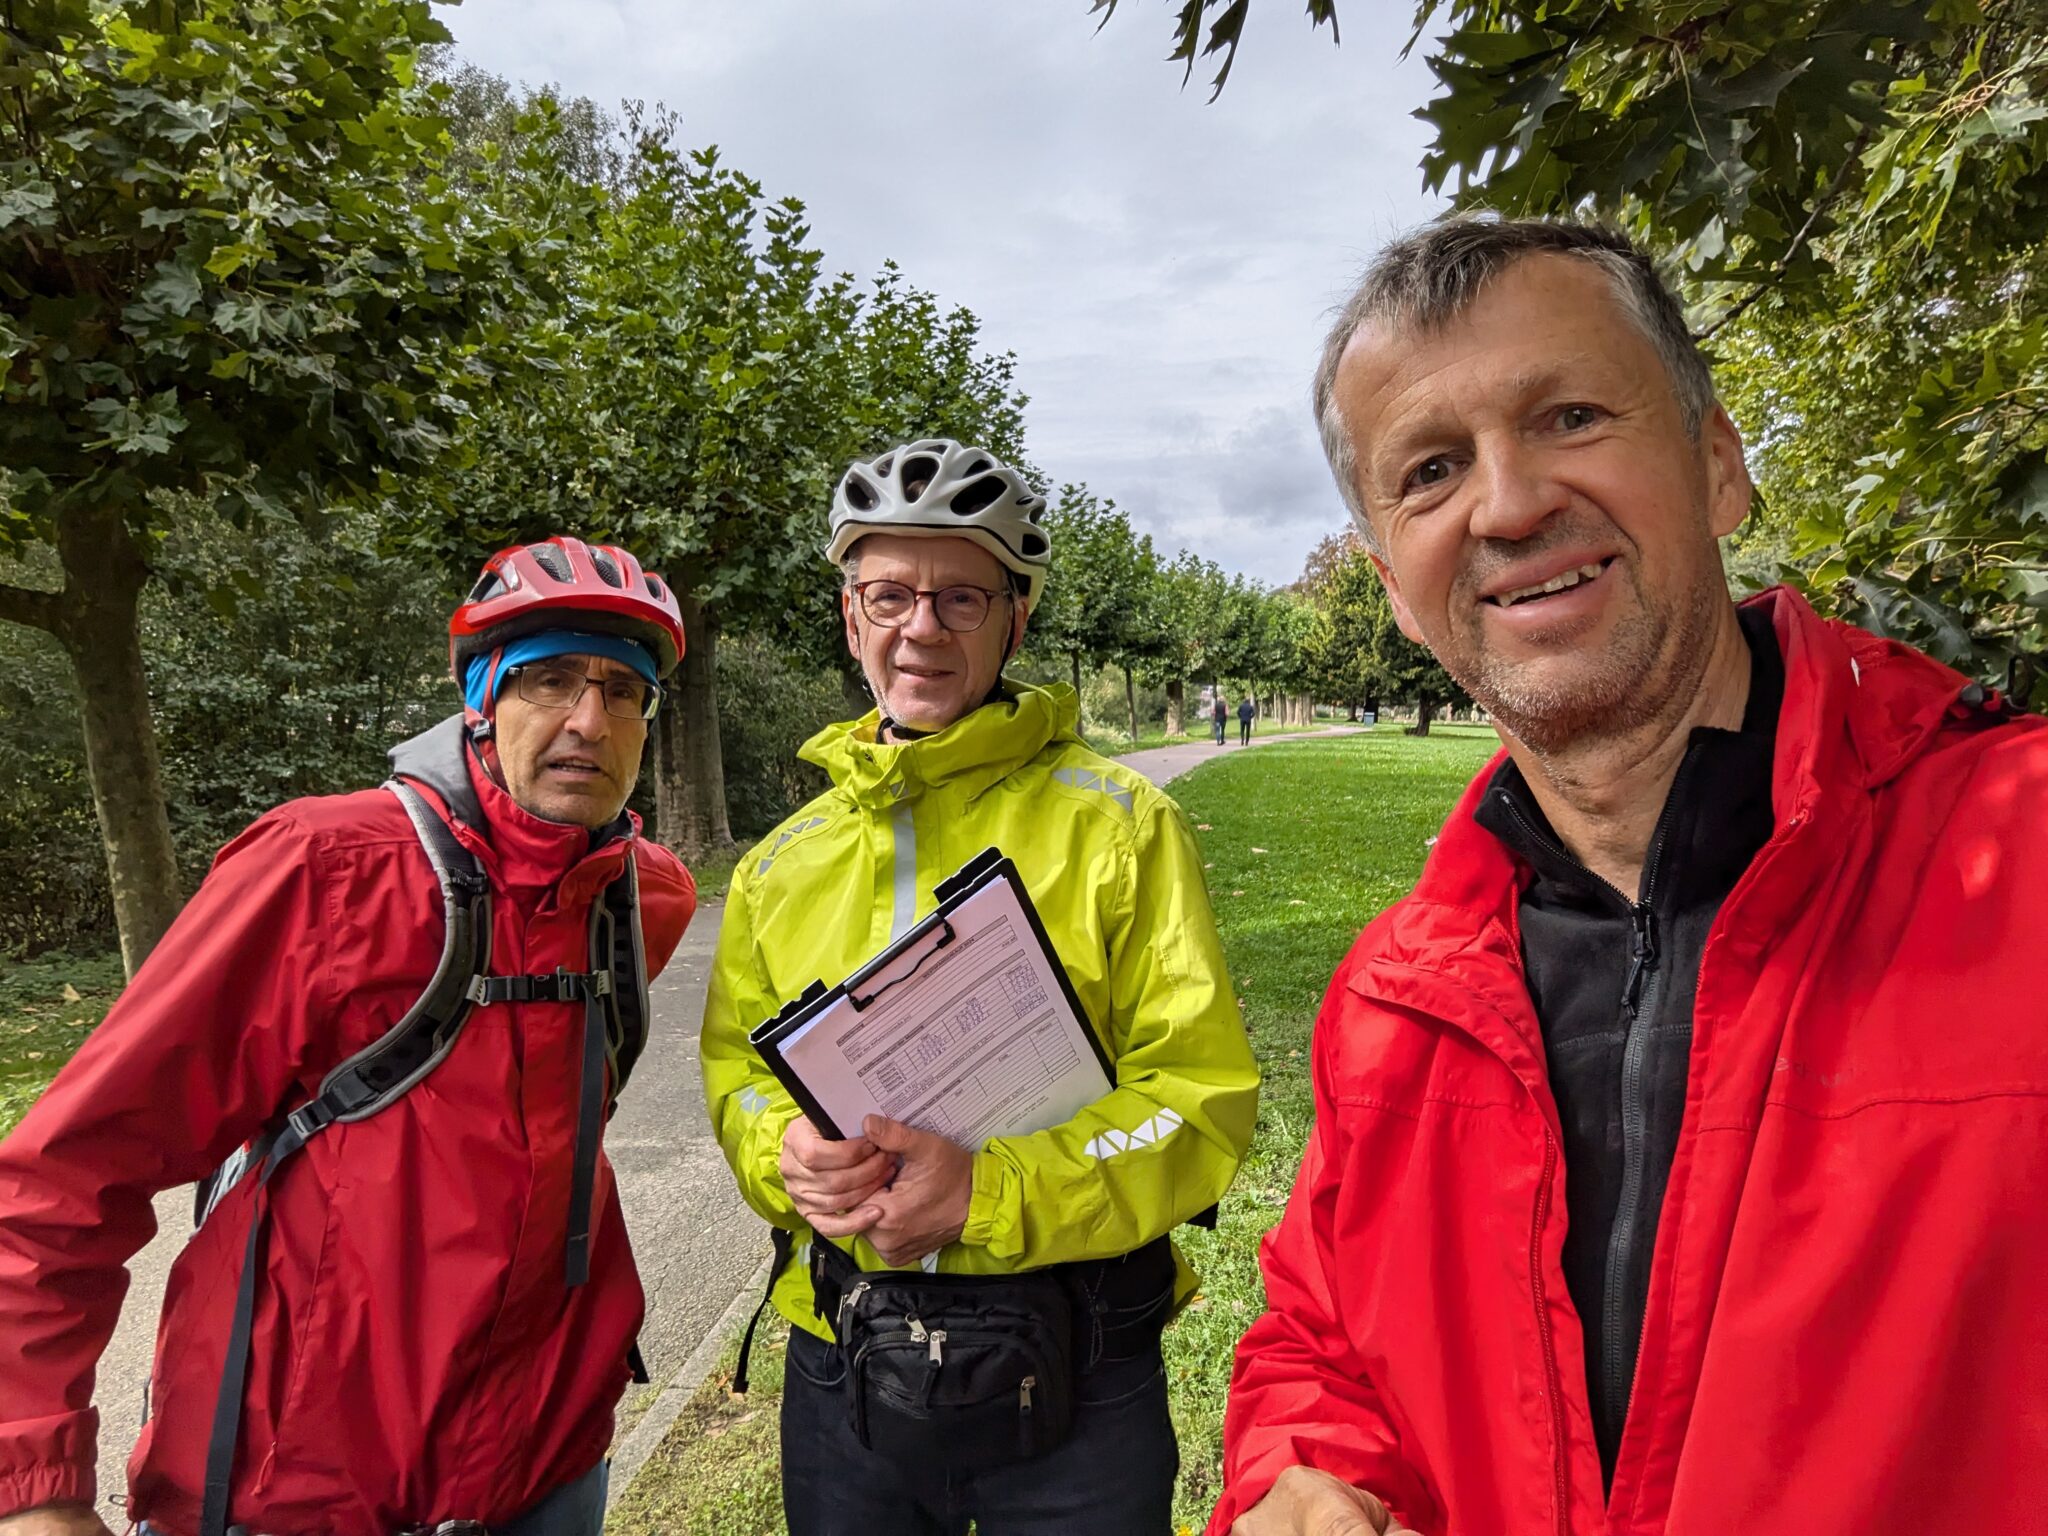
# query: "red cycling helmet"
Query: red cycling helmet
{"points": [[565, 583]]}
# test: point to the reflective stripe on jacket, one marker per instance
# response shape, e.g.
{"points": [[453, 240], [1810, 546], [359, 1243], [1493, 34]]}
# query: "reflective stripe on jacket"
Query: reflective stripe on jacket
{"points": [[1844, 1326], [416, 1355], [1113, 870]]}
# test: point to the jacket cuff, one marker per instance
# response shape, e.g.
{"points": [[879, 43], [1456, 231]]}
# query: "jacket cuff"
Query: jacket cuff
{"points": [[989, 1202], [54, 1482]]}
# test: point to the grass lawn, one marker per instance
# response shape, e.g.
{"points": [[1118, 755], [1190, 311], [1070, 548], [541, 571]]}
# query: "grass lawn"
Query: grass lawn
{"points": [[1305, 842], [47, 1007]]}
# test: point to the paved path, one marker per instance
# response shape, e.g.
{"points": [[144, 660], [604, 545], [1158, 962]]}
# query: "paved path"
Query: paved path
{"points": [[696, 1243], [1160, 764]]}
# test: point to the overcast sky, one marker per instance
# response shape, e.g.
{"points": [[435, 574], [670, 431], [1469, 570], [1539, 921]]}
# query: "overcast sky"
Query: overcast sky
{"points": [[1162, 267]]}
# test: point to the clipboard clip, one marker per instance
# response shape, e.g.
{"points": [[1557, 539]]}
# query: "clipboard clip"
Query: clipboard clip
{"points": [[938, 933]]}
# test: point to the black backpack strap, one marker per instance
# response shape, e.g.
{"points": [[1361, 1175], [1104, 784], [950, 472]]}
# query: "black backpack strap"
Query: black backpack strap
{"points": [[369, 1081], [616, 945], [615, 1017], [785, 1243]]}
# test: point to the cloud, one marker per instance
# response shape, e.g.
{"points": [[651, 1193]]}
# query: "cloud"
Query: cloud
{"points": [[1162, 267]]}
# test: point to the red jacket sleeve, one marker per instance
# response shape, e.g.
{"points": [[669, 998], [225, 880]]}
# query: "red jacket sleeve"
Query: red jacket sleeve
{"points": [[198, 1054], [1300, 1394]]}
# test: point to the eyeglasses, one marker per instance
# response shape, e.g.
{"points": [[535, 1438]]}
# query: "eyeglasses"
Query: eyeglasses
{"points": [[960, 609], [552, 687]]}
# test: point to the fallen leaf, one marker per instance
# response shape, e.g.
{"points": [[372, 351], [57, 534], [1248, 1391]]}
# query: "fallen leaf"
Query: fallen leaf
{"points": [[1297, 902], [34, 1055], [1237, 893], [1203, 826], [748, 1417], [1258, 850], [70, 993]]}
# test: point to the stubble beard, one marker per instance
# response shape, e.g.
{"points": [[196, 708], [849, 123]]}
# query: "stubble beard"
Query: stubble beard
{"points": [[1654, 655]]}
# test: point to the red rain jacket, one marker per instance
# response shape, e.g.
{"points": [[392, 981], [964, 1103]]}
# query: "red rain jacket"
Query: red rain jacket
{"points": [[417, 1354], [1846, 1332]]}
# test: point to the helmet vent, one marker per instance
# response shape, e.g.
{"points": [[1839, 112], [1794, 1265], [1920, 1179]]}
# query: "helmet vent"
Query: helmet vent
{"points": [[1034, 544], [860, 494], [607, 568], [549, 557], [978, 467], [884, 466], [978, 497], [918, 472], [487, 586], [654, 586]]}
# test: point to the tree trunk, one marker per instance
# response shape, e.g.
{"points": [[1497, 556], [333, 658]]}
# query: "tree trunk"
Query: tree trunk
{"points": [[689, 774], [1176, 708], [1075, 658], [1425, 706], [96, 623], [1131, 702]]}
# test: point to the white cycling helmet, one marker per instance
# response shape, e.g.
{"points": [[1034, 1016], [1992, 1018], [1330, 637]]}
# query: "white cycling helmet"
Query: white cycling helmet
{"points": [[938, 487]]}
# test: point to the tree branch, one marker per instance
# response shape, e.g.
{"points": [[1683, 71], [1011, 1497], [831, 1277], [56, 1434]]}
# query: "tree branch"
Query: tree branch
{"points": [[26, 605], [1784, 262]]}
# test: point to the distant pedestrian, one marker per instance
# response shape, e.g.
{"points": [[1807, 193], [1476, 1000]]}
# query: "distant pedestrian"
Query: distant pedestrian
{"points": [[1245, 710], [1222, 713]]}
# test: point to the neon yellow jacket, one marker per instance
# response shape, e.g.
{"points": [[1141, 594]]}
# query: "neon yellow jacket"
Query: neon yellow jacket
{"points": [[1113, 870]]}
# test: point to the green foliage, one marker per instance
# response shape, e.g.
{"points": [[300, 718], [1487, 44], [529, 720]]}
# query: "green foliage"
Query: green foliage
{"points": [[1223, 34], [226, 267], [769, 704], [53, 877], [1103, 601], [1355, 650], [326, 655], [330, 655]]}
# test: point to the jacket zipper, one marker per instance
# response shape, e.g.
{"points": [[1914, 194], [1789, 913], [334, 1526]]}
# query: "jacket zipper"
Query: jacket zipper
{"points": [[1639, 995]]}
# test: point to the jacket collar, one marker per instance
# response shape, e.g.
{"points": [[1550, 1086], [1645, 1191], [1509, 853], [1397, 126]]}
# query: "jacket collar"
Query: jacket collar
{"points": [[969, 756], [524, 853], [1857, 711]]}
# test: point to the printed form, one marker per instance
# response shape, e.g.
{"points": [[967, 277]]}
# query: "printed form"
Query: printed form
{"points": [[971, 1040]]}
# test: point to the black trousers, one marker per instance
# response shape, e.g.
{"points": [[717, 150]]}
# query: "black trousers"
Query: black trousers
{"points": [[1113, 1476], [1244, 733]]}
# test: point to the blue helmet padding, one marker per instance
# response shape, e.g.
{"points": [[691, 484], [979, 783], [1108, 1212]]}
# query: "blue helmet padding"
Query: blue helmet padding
{"points": [[485, 675]]}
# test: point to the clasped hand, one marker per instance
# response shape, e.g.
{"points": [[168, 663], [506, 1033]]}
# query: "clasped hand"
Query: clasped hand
{"points": [[906, 1191]]}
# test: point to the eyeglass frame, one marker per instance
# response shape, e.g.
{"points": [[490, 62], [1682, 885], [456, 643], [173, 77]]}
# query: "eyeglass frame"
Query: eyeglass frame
{"points": [[513, 674], [859, 589]]}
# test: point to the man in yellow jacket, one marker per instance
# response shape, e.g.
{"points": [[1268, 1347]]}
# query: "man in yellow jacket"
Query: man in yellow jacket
{"points": [[944, 556]]}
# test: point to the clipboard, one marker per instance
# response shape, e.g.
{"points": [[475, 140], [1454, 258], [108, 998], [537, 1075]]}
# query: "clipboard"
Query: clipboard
{"points": [[974, 989]]}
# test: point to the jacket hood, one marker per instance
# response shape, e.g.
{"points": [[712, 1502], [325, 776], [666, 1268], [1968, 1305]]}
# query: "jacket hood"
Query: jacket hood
{"points": [[971, 754]]}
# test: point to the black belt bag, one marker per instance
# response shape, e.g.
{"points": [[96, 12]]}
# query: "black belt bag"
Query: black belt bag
{"points": [[976, 1371]]}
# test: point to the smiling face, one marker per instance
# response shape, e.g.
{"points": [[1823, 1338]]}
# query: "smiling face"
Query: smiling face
{"points": [[924, 675], [574, 765], [1546, 523]]}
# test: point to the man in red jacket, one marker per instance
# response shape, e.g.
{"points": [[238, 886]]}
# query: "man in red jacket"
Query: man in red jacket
{"points": [[444, 1299], [1680, 1140]]}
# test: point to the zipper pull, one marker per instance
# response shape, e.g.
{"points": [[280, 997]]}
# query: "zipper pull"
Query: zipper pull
{"points": [[1642, 953], [1024, 1393], [938, 1337], [916, 1327], [851, 1299]]}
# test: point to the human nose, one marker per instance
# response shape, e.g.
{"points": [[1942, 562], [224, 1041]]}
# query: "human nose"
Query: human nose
{"points": [[923, 624], [586, 716], [1514, 491]]}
